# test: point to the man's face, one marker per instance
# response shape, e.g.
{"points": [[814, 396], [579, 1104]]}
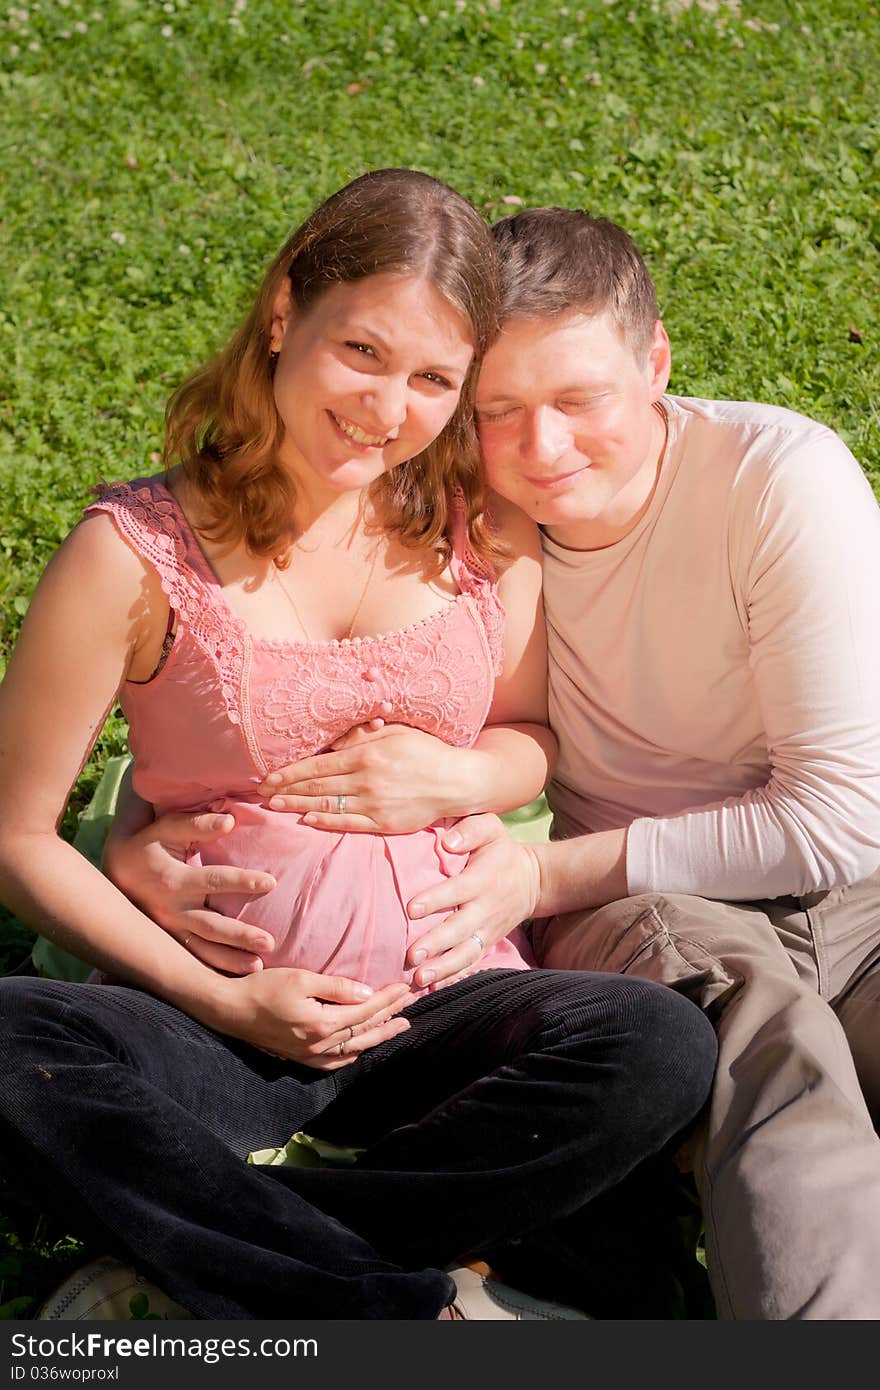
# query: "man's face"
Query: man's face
{"points": [[567, 425]]}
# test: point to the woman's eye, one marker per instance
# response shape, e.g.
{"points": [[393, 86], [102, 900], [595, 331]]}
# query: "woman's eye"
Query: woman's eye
{"points": [[490, 417], [437, 380], [363, 348]]}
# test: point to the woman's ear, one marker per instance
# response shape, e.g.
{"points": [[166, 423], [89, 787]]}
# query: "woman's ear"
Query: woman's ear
{"points": [[282, 313]]}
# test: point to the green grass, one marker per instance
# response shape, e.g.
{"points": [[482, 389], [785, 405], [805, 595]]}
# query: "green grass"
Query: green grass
{"points": [[154, 155]]}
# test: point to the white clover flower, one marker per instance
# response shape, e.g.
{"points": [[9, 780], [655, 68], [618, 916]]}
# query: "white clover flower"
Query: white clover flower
{"points": [[118, 237], [540, 69], [34, 46], [166, 31], [569, 41], [168, 8], [479, 81], [423, 19], [81, 27], [14, 50], [184, 249]]}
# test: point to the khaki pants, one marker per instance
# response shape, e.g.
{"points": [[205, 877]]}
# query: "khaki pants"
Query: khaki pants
{"points": [[787, 1160]]}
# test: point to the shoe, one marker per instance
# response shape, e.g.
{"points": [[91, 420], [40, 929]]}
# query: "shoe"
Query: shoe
{"points": [[480, 1298], [106, 1289]]}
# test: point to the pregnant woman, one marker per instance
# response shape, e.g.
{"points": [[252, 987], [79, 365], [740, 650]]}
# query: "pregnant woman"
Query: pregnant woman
{"points": [[316, 557]]}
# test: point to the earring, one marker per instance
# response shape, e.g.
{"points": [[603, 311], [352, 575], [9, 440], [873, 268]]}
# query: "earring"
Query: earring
{"points": [[273, 356]]}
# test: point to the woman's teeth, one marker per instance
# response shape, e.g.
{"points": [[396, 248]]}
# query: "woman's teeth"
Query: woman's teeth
{"points": [[357, 434]]}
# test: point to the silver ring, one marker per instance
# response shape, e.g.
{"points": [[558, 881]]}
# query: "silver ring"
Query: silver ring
{"points": [[340, 805], [186, 940], [475, 936]]}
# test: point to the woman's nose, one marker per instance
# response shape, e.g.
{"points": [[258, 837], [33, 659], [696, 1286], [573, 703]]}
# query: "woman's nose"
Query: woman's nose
{"points": [[386, 400]]}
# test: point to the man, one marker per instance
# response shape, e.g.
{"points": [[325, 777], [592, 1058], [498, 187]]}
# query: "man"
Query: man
{"points": [[711, 573]]}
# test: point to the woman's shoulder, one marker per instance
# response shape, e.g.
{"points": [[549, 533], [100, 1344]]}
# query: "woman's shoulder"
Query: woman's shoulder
{"points": [[513, 528], [147, 518], [96, 560]]}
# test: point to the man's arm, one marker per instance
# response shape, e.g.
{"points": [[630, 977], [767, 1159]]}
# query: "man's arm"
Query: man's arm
{"points": [[805, 557]]}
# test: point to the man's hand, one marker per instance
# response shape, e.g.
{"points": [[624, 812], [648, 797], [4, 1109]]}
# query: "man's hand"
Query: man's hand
{"points": [[498, 890], [319, 1021], [150, 868], [393, 778]]}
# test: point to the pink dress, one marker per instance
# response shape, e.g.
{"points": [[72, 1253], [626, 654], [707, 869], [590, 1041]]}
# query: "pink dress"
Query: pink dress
{"points": [[227, 708]]}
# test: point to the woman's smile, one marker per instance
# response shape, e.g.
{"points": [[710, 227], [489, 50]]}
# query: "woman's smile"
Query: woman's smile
{"points": [[356, 435]]}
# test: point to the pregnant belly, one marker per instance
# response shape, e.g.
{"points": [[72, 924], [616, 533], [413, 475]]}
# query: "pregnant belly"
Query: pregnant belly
{"points": [[339, 907]]}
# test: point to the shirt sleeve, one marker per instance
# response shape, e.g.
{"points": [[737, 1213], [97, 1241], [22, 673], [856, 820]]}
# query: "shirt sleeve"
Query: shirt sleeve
{"points": [[804, 536]]}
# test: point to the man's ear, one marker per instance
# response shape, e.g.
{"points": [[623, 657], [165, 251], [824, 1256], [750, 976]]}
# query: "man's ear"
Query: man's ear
{"points": [[659, 363], [282, 314]]}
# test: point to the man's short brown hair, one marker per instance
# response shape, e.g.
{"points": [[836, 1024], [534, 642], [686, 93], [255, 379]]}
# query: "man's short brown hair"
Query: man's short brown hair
{"points": [[559, 260]]}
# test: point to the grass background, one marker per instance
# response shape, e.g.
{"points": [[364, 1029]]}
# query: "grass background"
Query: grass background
{"points": [[154, 155]]}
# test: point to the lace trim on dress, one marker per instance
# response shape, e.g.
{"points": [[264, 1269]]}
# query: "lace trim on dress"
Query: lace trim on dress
{"points": [[477, 578], [432, 683], [152, 526], [433, 677]]}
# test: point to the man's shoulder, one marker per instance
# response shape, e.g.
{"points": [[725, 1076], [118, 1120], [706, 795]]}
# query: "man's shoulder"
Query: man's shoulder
{"points": [[748, 420], [742, 442], [749, 461]]}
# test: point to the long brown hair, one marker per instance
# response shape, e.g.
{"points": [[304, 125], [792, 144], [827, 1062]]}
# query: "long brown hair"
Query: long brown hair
{"points": [[222, 425]]}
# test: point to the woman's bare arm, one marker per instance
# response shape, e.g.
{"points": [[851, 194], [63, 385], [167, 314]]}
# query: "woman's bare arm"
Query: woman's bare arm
{"points": [[92, 622]]}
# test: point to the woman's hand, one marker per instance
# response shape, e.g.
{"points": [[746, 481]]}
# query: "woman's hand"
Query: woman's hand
{"points": [[319, 1021], [150, 868], [497, 890], [392, 779]]}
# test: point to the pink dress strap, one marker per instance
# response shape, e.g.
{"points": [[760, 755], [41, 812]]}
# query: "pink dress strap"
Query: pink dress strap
{"points": [[150, 520], [478, 579]]}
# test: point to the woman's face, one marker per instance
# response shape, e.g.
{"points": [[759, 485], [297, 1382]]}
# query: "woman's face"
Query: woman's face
{"points": [[366, 378]]}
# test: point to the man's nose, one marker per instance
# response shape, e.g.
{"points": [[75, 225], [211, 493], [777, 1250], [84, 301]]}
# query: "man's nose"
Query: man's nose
{"points": [[547, 435]]}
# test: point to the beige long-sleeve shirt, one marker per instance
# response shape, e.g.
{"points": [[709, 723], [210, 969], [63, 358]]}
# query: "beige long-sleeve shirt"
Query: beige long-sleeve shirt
{"points": [[715, 675]]}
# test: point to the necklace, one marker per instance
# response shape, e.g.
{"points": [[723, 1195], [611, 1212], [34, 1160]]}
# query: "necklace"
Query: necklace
{"points": [[355, 615]]}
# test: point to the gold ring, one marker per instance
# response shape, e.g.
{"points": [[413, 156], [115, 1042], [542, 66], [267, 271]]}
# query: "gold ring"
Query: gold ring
{"points": [[340, 805], [341, 1049]]}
